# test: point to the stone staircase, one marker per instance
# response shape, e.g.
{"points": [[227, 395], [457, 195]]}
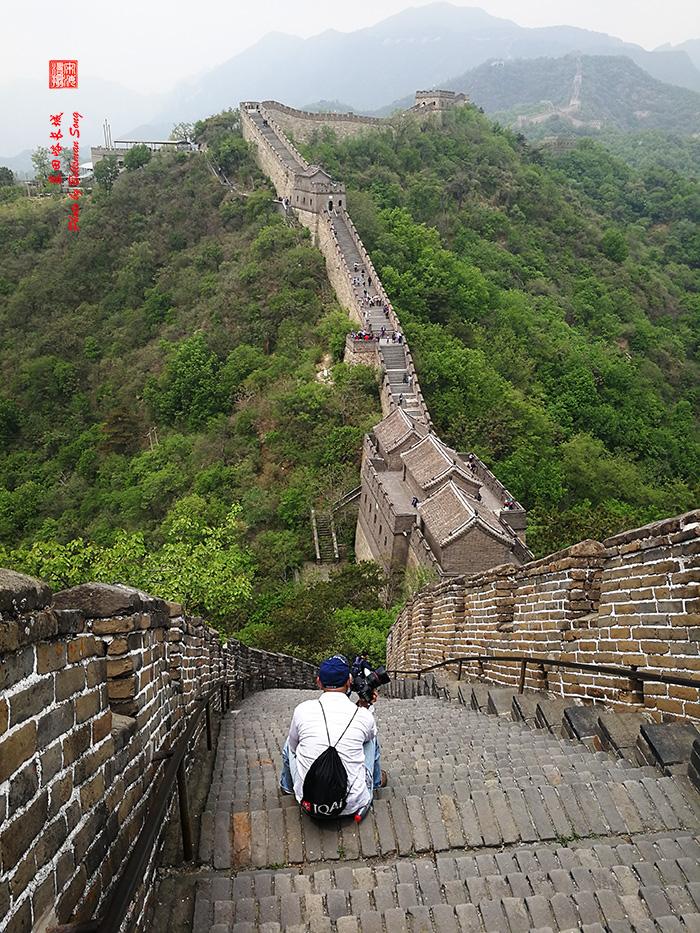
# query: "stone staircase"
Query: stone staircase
{"points": [[325, 538], [486, 825], [287, 157]]}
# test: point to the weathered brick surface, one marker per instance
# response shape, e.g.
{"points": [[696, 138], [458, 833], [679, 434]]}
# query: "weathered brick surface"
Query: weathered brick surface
{"points": [[94, 681], [631, 600]]}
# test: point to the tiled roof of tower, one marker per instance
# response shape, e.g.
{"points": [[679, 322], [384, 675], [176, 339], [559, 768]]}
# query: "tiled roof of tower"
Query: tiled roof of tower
{"points": [[449, 513], [428, 461], [393, 430]]}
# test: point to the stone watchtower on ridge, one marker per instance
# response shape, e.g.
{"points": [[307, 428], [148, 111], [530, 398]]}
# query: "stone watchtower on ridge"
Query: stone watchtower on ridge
{"points": [[423, 504], [439, 100], [314, 190]]}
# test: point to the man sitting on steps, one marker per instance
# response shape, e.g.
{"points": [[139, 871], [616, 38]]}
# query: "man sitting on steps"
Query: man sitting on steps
{"points": [[335, 718]]}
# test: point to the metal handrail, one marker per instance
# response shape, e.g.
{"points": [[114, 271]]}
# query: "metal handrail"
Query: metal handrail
{"points": [[631, 672], [115, 908]]}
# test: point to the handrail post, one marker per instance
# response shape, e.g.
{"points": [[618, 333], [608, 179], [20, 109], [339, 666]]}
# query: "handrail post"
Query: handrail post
{"points": [[185, 820], [207, 711], [459, 670], [523, 668]]}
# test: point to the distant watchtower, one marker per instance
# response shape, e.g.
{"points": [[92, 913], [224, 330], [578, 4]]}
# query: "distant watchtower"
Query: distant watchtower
{"points": [[439, 100], [315, 190]]}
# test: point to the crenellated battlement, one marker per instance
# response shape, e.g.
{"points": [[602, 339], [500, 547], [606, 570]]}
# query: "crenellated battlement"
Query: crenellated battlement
{"points": [[631, 600]]}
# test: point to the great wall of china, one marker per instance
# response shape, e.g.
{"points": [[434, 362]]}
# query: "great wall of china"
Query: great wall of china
{"points": [[499, 822]]}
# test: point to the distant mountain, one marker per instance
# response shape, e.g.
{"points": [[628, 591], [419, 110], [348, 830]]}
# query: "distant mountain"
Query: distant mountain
{"points": [[420, 47], [20, 164], [327, 106], [582, 93], [26, 105], [691, 48]]}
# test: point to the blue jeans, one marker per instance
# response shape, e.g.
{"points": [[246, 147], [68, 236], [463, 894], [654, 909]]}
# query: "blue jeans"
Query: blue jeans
{"points": [[372, 765]]}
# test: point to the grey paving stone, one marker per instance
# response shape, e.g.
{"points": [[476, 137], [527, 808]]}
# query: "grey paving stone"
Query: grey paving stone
{"points": [[395, 920], [445, 918], [564, 910], [468, 918], [492, 916], [371, 922]]}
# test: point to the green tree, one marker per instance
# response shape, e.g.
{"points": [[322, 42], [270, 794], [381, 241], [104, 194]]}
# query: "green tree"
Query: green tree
{"points": [[7, 177], [182, 130], [106, 172], [189, 390], [136, 157], [41, 163], [614, 246]]}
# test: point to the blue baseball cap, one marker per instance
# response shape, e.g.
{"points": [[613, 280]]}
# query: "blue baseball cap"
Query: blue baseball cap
{"points": [[334, 672]]}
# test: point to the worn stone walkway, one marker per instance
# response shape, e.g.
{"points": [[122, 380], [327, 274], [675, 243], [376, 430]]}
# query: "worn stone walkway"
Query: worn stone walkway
{"points": [[486, 825]]}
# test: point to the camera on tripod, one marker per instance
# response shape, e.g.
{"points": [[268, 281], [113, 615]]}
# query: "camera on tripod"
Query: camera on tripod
{"points": [[365, 680]]}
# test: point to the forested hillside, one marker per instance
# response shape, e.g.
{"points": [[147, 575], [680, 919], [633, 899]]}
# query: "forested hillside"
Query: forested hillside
{"points": [[164, 418], [610, 92], [172, 401], [552, 308]]}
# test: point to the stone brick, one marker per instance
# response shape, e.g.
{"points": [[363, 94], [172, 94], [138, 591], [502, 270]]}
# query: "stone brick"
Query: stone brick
{"points": [[52, 838], [122, 689], [32, 700], [59, 793], [15, 666], [17, 748], [50, 656], [93, 760], [68, 682], [86, 706], [23, 786], [21, 919], [44, 895], [117, 667], [85, 646], [51, 762], [4, 714], [55, 722], [71, 895], [118, 646], [16, 838], [76, 744], [99, 600], [101, 727], [96, 672], [92, 791], [20, 593]]}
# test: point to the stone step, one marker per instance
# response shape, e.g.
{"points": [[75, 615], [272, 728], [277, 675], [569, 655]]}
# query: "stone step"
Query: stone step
{"points": [[668, 745], [524, 706], [618, 732], [550, 713], [461, 778], [564, 887], [500, 701]]}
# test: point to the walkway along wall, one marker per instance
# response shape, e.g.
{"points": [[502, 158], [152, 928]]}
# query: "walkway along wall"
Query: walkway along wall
{"points": [[633, 599], [93, 682], [321, 227]]}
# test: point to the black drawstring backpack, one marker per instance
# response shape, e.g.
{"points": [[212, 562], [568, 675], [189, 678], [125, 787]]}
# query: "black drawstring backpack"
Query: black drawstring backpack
{"points": [[326, 783]]}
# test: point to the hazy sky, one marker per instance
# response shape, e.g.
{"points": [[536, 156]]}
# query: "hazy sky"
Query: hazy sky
{"points": [[151, 44]]}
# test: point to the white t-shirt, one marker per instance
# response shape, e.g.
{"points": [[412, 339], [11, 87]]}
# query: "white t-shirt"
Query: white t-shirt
{"points": [[308, 738]]}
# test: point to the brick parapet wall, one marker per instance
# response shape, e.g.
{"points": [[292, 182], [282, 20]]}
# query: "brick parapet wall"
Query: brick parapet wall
{"points": [[302, 124], [93, 682], [630, 600]]}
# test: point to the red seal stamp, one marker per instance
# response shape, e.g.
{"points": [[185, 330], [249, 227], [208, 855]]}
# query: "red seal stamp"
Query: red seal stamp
{"points": [[63, 73]]}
